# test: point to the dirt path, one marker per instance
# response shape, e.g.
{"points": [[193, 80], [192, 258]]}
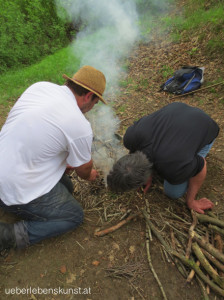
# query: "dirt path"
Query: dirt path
{"points": [[115, 266]]}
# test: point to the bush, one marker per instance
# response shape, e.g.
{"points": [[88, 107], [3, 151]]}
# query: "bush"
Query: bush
{"points": [[29, 31]]}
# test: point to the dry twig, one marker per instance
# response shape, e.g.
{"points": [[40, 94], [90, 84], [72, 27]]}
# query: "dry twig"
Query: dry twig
{"points": [[211, 220], [196, 91], [150, 261], [117, 226], [191, 229], [204, 262], [206, 245]]}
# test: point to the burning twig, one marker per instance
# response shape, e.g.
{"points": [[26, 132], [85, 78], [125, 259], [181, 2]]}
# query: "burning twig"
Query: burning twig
{"points": [[117, 226]]}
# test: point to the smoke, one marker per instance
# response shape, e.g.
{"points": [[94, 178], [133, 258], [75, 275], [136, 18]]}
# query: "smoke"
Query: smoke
{"points": [[107, 147], [108, 32]]}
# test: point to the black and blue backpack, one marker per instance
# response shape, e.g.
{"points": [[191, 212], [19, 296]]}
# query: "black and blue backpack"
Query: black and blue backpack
{"points": [[185, 80]]}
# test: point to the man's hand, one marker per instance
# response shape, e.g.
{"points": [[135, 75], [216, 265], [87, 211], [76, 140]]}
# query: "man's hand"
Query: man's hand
{"points": [[200, 205], [193, 188], [93, 175], [86, 171], [147, 185]]}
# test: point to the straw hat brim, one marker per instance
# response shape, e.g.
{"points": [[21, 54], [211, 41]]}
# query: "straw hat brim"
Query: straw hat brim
{"points": [[85, 86]]}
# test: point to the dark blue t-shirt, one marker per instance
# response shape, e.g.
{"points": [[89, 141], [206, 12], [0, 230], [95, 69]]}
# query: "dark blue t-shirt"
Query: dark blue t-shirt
{"points": [[171, 138]]}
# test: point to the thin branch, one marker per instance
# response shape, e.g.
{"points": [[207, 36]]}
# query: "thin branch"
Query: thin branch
{"points": [[191, 229], [206, 265], [117, 226], [150, 263], [196, 91]]}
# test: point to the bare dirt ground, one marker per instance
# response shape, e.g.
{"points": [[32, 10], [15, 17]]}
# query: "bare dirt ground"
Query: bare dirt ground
{"points": [[116, 266]]}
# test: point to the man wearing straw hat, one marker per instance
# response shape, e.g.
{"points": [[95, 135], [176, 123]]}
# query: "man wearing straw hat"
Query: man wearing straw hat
{"points": [[46, 134]]}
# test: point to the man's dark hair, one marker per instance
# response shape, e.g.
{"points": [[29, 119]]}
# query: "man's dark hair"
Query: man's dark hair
{"points": [[129, 172], [78, 89]]}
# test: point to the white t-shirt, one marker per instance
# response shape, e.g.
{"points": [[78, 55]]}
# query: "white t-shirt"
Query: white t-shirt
{"points": [[45, 131]]}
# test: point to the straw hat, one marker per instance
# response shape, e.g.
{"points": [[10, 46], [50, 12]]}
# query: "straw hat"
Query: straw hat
{"points": [[91, 79]]}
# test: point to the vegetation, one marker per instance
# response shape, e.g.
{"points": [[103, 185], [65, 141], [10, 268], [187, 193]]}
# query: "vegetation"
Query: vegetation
{"points": [[51, 68], [30, 30], [202, 19]]}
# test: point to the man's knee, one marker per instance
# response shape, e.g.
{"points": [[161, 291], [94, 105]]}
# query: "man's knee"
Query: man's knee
{"points": [[174, 194], [175, 191], [76, 216]]}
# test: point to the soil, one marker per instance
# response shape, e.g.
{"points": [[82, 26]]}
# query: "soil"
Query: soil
{"points": [[116, 266]]}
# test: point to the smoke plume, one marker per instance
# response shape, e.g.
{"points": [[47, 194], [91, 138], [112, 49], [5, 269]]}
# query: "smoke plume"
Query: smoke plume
{"points": [[107, 34]]}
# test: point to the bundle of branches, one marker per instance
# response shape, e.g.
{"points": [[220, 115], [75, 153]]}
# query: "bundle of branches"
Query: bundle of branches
{"points": [[204, 249]]}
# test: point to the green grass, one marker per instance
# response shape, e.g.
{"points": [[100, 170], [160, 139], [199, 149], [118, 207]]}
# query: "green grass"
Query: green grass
{"points": [[126, 82], [166, 71], [199, 17], [51, 68]]}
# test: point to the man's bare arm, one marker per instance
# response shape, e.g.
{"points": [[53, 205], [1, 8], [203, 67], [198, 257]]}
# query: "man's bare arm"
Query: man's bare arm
{"points": [[86, 171], [194, 185]]}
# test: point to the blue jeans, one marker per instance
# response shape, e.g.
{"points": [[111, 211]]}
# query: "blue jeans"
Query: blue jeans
{"points": [[178, 190], [49, 215]]}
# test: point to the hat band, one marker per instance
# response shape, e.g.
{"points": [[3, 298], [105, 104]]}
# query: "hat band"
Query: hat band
{"points": [[88, 87]]}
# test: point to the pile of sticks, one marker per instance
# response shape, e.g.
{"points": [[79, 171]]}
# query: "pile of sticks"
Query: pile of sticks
{"points": [[193, 242], [203, 257]]}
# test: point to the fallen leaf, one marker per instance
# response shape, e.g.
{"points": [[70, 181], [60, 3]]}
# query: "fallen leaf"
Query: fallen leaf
{"points": [[63, 269], [95, 263], [132, 249], [71, 277], [115, 246]]}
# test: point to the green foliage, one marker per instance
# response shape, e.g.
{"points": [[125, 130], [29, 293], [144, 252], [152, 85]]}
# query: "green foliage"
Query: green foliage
{"points": [[202, 18], [51, 68], [29, 31]]}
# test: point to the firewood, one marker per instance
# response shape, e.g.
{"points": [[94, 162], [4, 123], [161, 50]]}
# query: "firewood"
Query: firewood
{"points": [[207, 246], [191, 229], [117, 226], [191, 264], [216, 229], [206, 265], [213, 260], [187, 262], [211, 220]]}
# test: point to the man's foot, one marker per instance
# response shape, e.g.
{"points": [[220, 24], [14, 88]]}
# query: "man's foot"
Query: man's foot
{"points": [[7, 236]]}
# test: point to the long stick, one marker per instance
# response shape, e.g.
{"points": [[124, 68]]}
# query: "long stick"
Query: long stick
{"points": [[211, 220], [188, 262], [203, 289], [196, 91], [215, 262], [212, 250], [216, 229], [191, 229], [150, 262], [115, 227], [204, 262], [188, 250]]}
